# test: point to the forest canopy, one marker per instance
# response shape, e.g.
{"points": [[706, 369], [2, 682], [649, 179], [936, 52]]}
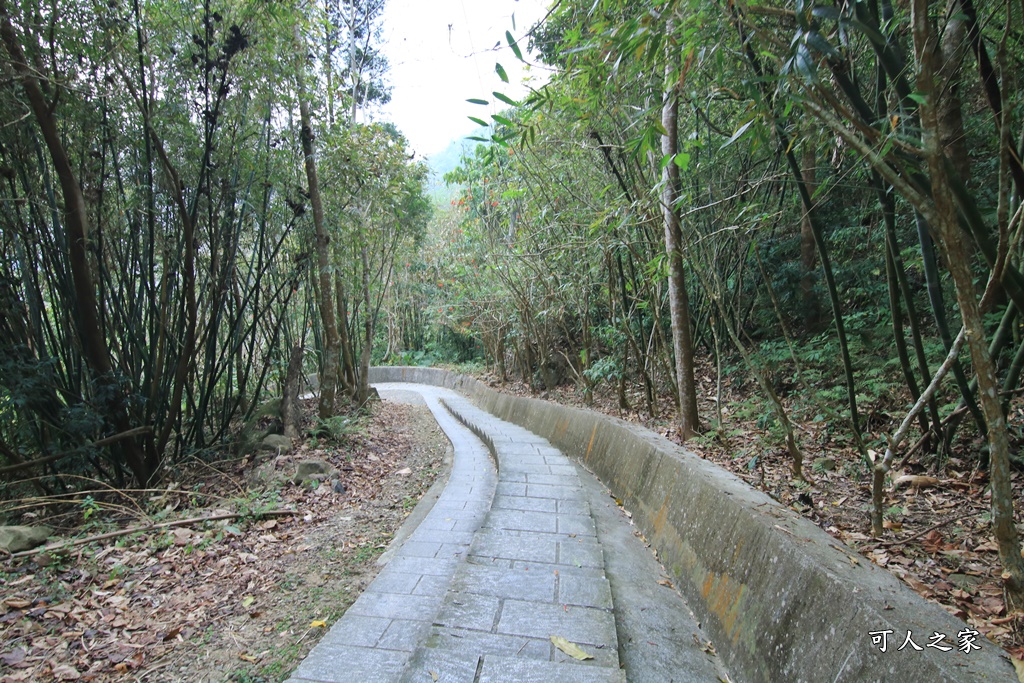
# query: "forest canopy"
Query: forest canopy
{"points": [[179, 182]]}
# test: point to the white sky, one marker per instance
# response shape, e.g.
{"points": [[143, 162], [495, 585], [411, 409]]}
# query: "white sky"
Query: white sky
{"points": [[441, 55]]}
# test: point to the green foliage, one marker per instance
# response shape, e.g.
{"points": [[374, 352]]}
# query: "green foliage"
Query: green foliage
{"points": [[607, 369], [894, 511], [255, 504], [89, 507], [335, 428]]}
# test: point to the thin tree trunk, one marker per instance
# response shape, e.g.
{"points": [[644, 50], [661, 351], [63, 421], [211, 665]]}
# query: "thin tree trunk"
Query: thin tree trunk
{"points": [[883, 465], [364, 352], [679, 305], [892, 249], [186, 361], [347, 368], [808, 253], [290, 412], [332, 342], [951, 120]]}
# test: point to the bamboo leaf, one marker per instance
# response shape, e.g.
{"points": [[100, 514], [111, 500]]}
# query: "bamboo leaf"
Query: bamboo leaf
{"points": [[505, 98], [738, 134], [500, 70], [826, 13], [819, 43], [474, 100], [571, 649], [512, 44]]}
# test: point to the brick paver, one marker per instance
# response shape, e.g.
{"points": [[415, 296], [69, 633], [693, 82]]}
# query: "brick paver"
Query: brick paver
{"points": [[506, 559], [375, 639]]}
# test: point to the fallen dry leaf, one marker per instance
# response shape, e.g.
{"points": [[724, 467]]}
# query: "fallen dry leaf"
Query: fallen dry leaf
{"points": [[14, 657], [1018, 666], [916, 481], [919, 586], [571, 649], [934, 542], [181, 536], [66, 672]]}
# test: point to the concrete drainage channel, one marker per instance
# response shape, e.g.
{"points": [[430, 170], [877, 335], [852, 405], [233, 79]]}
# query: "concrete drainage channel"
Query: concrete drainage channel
{"points": [[500, 561], [779, 599]]}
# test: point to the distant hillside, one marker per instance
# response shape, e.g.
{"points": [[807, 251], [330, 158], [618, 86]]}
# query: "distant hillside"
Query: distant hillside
{"points": [[447, 160]]}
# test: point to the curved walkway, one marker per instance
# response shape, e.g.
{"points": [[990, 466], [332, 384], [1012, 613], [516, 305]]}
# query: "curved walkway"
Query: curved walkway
{"points": [[504, 560]]}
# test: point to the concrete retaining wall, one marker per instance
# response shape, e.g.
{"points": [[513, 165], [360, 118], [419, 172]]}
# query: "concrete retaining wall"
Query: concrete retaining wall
{"points": [[782, 600]]}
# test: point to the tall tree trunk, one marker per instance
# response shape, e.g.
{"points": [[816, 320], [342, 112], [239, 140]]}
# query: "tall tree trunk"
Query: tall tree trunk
{"points": [[679, 305], [808, 251], [945, 221], [951, 119], [186, 361], [347, 368], [368, 318], [325, 302], [76, 222]]}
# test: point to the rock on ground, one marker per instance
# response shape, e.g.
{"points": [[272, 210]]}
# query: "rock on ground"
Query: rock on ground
{"points": [[14, 539]]}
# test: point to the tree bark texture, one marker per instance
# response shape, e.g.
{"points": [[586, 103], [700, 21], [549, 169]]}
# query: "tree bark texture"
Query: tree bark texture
{"points": [[325, 301], [808, 250], [679, 305], [291, 415]]}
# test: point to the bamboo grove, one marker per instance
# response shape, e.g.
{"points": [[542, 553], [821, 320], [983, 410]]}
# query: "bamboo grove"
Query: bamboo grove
{"points": [[809, 199], [184, 187]]}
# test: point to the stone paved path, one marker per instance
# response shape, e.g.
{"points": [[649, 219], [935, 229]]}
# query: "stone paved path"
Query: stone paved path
{"points": [[505, 559]]}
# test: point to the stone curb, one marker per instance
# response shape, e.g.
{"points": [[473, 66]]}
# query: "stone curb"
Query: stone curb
{"points": [[781, 599]]}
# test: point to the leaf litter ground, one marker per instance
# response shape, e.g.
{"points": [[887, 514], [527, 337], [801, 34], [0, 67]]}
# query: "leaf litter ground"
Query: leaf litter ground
{"points": [[237, 600]]}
